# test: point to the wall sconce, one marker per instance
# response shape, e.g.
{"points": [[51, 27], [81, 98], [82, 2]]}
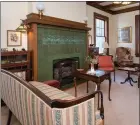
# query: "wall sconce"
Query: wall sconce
{"points": [[23, 26], [85, 19], [40, 7]]}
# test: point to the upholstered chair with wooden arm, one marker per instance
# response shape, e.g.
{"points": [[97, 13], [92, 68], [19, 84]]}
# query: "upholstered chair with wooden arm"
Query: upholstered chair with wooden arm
{"points": [[123, 56], [105, 62]]}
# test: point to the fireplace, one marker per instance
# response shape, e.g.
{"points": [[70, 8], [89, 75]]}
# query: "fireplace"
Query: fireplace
{"points": [[63, 69]]}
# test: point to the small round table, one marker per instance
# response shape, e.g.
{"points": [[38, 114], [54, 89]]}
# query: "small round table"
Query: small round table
{"points": [[129, 70]]}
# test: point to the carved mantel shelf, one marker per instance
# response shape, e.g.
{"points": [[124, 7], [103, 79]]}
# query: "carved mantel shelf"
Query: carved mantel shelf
{"points": [[47, 20]]}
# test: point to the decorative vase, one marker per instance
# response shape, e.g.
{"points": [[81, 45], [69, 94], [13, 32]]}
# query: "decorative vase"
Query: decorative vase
{"points": [[92, 68], [91, 65]]}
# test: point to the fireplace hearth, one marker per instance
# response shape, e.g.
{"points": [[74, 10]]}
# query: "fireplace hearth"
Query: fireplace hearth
{"points": [[63, 69]]}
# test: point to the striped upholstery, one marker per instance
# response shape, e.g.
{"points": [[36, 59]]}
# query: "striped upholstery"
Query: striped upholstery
{"points": [[82, 114], [24, 104], [32, 110], [51, 92]]}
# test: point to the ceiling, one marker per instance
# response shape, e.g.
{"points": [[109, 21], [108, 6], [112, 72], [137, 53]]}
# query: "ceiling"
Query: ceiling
{"points": [[110, 7]]}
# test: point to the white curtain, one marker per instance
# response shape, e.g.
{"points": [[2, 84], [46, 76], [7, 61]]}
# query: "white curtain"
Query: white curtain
{"points": [[99, 43]]}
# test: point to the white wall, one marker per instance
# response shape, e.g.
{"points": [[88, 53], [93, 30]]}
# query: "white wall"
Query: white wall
{"points": [[75, 11], [125, 20], [90, 15], [11, 13]]}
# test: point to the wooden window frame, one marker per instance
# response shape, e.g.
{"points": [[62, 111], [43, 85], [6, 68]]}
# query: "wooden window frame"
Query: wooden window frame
{"points": [[137, 35], [106, 20], [100, 28]]}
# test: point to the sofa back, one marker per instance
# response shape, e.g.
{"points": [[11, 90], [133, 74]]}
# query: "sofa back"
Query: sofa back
{"points": [[32, 107], [21, 99]]}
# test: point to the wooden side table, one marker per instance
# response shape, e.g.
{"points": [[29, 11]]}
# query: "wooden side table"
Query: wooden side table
{"points": [[129, 70], [98, 78]]}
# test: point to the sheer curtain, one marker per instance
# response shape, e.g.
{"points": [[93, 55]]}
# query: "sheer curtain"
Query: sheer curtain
{"points": [[100, 34], [99, 43]]}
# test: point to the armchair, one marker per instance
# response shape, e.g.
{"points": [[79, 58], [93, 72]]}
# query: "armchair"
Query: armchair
{"points": [[106, 63], [123, 57]]}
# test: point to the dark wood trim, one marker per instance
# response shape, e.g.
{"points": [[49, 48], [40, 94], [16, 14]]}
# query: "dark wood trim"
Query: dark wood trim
{"points": [[100, 16], [107, 8], [127, 10], [47, 20], [106, 19], [110, 6], [137, 35], [96, 5], [32, 45], [56, 103]]}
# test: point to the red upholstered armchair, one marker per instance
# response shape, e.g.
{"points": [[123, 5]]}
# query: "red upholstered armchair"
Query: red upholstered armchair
{"points": [[106, 63]]}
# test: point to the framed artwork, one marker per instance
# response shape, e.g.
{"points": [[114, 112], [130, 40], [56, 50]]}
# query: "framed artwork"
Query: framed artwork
{"points": [[13, 38], [125, 35]]}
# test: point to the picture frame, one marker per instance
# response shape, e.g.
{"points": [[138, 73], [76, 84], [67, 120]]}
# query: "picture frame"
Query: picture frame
{"points": [[14, 38], [125, 35]]}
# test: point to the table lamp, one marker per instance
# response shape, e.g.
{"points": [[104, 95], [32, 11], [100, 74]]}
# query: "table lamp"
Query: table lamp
{"points": [[105, 46]]}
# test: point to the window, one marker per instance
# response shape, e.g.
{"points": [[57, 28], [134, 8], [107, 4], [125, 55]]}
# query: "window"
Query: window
{"points": [[100, 34], [101, 31]]}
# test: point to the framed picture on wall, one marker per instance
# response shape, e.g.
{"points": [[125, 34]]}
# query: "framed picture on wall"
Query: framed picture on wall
{"points": [[125, 35], [13, 38]]}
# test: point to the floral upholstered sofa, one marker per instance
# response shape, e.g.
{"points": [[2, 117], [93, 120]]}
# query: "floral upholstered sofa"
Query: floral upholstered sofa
{"points": [[34, 103]]}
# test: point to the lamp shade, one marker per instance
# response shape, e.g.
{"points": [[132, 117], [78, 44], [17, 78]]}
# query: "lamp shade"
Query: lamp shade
{"points": [[40, 6], [105, 45], [22, 28]]}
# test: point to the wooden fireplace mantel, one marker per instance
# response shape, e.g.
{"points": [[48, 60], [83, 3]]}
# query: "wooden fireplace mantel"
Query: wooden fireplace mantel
{"points": [[48, 20], [33, 20]]}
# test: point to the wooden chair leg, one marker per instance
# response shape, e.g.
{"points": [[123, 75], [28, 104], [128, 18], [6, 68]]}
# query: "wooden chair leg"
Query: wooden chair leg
{"points": [[9, 117], [114, 76], [2, 103], [138, 81], [75, 86]]}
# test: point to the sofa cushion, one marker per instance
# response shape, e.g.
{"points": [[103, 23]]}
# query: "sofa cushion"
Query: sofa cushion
{"points": [[51, 92], [53, 83]]}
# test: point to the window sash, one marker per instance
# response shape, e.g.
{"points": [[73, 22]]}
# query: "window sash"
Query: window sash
{"points": [[100, 28], [99, 43]]}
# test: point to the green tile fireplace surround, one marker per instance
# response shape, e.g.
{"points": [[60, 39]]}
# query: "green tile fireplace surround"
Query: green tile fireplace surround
{"points": [[58, 43]]}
